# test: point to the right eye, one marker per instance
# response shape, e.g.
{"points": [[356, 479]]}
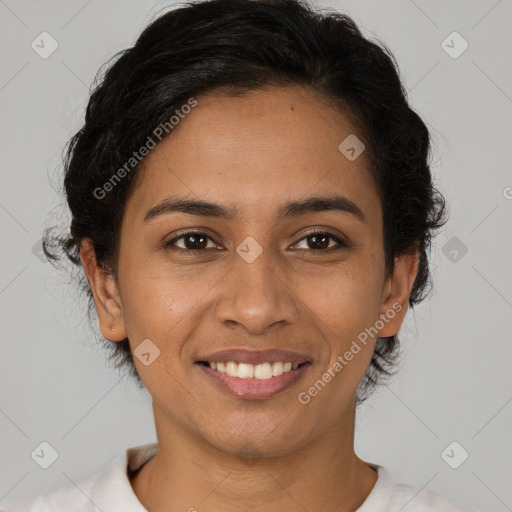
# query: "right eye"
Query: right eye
{"points": [[194, 241]]}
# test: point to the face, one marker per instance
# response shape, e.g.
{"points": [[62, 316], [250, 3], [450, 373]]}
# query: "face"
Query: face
{"points": [[248, 272]]}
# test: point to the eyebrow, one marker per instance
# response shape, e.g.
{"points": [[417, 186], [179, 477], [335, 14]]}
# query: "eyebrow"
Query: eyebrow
{"points": [[291, 209]]}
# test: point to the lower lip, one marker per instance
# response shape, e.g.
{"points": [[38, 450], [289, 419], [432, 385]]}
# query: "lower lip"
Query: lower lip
{"points": [[254, 388]]}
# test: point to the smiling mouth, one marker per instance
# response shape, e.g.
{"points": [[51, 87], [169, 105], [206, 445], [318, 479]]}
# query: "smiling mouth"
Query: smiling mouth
{"points": [[262, 371], [253, 381]]}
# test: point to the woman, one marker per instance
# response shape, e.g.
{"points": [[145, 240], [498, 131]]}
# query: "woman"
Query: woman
{"points": [[252, 207]]}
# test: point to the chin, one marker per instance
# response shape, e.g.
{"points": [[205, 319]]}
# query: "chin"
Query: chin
{"points": [[252, 445]]}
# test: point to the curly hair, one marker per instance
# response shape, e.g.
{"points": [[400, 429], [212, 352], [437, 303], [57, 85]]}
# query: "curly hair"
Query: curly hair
{"points": [[242, 45]]}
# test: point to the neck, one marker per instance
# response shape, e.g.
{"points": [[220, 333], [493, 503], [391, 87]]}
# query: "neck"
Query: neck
{"points": [[187, 473]]}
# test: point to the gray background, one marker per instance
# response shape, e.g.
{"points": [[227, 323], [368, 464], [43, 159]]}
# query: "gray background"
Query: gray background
{"points": [[455, 382]]}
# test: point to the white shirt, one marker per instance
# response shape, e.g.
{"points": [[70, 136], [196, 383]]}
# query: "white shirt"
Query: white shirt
{"points": [[111, 491]]}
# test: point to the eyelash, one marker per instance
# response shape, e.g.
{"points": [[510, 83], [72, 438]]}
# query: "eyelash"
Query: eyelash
{"points": [[341, 243]]}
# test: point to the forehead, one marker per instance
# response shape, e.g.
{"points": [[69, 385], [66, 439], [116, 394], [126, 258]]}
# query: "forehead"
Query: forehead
{"points": [[254, 152]]}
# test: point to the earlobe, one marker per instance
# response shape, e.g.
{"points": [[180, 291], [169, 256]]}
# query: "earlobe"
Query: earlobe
{"points": [[106, 295], [396, 293]]}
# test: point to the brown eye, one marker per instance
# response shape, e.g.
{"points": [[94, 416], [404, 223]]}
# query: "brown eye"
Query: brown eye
{"points": [[319, 241], [192, 241]]}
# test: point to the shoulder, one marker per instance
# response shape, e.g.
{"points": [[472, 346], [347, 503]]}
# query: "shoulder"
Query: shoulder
{"points": [[108, 490], [390, 496], [60, 499], [412, 499]]}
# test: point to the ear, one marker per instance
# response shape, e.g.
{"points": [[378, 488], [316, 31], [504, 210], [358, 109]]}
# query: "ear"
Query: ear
{"points": [[396, 293], [106, 295]]}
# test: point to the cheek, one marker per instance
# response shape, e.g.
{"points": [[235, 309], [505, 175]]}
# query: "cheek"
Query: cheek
{"points": [[165, 307], [347, 309], [349, 299], [155, 297], [157, 309], [346, 306]]}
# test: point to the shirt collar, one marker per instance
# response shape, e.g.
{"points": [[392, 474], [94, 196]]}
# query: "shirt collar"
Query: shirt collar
{"points": [[112, 490]]}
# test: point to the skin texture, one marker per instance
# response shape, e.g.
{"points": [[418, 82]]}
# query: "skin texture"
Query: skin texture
{"points": [[218, 452]]}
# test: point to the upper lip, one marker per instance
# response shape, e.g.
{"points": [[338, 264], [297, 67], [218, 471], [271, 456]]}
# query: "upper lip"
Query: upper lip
{"points": [[243, 355]]}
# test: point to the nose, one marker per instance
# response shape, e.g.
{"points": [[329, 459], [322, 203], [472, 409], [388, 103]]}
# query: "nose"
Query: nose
{"points": [[256, 296]]}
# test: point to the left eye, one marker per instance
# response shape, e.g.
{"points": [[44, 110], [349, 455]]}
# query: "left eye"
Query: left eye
{"points": [[321, 241]]}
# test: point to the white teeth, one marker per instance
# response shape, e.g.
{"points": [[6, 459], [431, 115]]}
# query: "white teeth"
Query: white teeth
{"points": [[277, 369], [232, 369], [245, 371], [261, 371]]}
